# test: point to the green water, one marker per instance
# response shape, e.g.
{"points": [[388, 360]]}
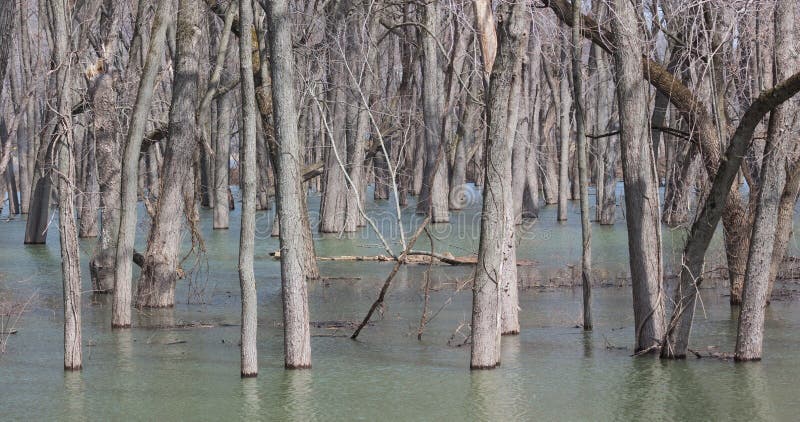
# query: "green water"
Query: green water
{"points": [[551, 371]]}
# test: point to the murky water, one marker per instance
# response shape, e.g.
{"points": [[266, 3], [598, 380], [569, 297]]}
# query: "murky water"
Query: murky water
{"points": [[551, 371]]}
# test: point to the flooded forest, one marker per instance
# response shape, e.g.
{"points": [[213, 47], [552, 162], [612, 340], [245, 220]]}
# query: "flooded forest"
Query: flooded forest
{"points": [[406, 210]]}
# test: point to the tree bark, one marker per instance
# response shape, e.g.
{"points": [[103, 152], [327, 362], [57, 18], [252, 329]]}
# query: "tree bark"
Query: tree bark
{"points": [[87, 211], [583, 170], [297, 338], [121, 310], [496, 249], [641, 190], [156, 287], [247, 280], [717, 203], [68, 234], [104, 131], [222, 162], [780, 139], [433, 197], [565, 119]]}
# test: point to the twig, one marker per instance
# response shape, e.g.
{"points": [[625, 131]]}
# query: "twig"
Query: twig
{"points": [[388, 281]]}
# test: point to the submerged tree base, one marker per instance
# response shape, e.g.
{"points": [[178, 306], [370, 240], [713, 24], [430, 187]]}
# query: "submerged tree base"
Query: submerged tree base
{"points": [[299, 366]]}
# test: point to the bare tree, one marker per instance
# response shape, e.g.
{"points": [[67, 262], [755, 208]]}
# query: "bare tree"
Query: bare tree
{"points": [[68, 234], [583, 168], [290, 196], [639, 174], [497, 225], [780, 139], [247, 180], [121, 311], [156, 286]]}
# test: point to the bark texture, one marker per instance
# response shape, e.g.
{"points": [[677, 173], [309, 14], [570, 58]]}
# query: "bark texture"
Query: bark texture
{"points": [[639, 174], [780, 138], [107, 153], [247, 280], [121, 309], [156, 288], [296, 332], [496, 249]]}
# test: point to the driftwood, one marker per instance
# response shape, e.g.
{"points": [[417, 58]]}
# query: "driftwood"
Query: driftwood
{"points": [[412, 257]]}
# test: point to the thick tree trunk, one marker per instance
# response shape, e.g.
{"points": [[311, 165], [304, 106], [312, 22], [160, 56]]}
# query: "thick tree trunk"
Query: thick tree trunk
{"points": [[104, 131], [297, 338], [493, 286], [530, 196], [160, 270], [121, 310], [750, 334], [39, 208], [247, 280], [783, 230], [333, 205], [519, 156], [433, 197], [780, 139], [357, 154], [639, 173], [7, 13], [608, 149]]}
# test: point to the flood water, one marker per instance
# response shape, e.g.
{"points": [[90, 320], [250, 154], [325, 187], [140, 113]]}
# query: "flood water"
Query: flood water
{"points": [[551, 371]]}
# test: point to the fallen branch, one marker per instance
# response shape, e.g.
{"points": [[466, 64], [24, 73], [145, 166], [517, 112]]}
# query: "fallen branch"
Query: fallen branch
{"points": [[412, 257], [389, 278]]}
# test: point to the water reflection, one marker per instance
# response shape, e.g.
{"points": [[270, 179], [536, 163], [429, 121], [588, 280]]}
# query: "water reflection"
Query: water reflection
{"points": [[74, 396], [486, 395], [123, 342], [752, 393], [251, 399], [298, 395], [687, 394], [642, 395]]}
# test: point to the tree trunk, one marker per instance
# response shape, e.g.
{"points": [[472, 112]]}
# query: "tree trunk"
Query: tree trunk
{"points": [[780, 139], [222, 162], [530, 196], [433, 197], [679, 181], [247, 280], [7, 14], [88, 226], [104, 131], [783, 231], [459, 196], [160, 270], [333, 204], [68, 235], [519, 157], [492, 285], [121, 310], [565, 101], [641, 190], [297, 338], [608, 146], [583, 170]]}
